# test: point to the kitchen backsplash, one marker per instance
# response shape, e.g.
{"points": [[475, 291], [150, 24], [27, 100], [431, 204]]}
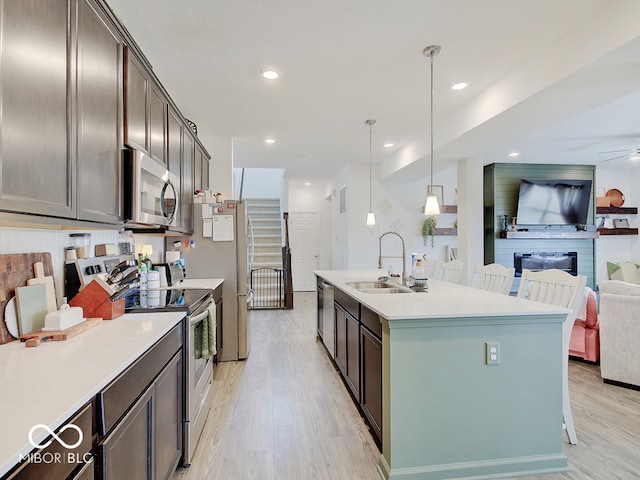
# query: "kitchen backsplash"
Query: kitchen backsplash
{"points": [[27, 240]]}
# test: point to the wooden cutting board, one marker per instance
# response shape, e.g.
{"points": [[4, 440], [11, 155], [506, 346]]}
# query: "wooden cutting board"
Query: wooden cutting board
{"points": [[40, 277], [15, 270], [34, 339], [31, 307]]}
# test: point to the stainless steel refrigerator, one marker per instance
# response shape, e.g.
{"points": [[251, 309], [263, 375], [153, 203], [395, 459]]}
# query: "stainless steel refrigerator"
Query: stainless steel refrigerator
{"points": [[218, 249]]}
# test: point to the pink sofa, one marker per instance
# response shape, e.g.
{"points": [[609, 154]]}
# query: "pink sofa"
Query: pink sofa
{"points": [[585, 337]]}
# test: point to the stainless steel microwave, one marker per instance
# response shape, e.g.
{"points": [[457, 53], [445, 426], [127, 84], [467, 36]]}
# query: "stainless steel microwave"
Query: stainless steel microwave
{"points": [[152, 191]]}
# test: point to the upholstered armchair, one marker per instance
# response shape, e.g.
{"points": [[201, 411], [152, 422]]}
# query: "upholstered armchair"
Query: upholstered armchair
{"points": [[620, 332], [585, 336]]}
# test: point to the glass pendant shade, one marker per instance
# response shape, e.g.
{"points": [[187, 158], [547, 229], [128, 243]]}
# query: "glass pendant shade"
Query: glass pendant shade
{"points": [[431, 206], [371, 219]]}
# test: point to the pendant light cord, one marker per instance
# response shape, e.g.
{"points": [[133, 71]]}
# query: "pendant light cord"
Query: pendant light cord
{"points": [[370, 197], [431, 125]]}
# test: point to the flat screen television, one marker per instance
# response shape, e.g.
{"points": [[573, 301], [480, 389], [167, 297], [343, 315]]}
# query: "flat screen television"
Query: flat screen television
{"points": [[553, 202]]}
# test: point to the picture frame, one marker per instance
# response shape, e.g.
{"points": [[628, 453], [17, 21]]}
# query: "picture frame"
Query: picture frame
{"points": [[620, 223]]}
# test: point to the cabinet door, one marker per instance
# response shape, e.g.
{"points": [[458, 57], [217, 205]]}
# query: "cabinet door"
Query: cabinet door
{"points": [[136, 89], [197, 168], [169, 415], [187, 181], [128, 451], [319, 311], [37, 171], [87, 472], [201, 169], [353, 355], [219, 328], [157, 124], [341, 339], [174, 154], [99, 116], [205, 172], [371, 376], [77, 458]]}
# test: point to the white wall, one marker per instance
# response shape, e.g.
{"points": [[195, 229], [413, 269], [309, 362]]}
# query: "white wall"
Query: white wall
{"points": [[397, 206], [220, 165], [622, 247], [260, 183]]}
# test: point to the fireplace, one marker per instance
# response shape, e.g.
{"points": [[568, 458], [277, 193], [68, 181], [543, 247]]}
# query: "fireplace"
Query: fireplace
{"points": [[536, 261]]}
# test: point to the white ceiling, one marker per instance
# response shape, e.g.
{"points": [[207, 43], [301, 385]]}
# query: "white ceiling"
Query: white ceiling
{"points": [[557, 80]]}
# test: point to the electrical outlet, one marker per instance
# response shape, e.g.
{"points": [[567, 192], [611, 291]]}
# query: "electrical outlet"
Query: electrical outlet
{"points": [[492, 352]]}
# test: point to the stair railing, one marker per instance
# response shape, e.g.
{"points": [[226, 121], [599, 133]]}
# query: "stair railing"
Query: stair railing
{"points": [[286, 263]]}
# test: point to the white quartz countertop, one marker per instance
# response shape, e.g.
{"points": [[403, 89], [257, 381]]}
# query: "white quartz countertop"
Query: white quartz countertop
{"points": [[48, 384], [443, 300]]}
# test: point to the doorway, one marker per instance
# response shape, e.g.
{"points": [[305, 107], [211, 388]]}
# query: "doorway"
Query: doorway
{"points": [[304, 235]]}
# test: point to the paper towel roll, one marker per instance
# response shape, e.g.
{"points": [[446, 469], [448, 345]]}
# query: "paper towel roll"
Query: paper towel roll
{"points": [[163, 275], [172, 255]]}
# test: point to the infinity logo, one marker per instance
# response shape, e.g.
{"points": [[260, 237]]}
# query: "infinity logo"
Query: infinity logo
{"points": [[51, 432]]}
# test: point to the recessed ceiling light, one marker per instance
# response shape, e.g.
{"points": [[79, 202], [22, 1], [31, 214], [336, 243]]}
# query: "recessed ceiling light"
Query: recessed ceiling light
{"points": [[459, 86], [270, 74], [635, 157], [307, 183], [269, 140], [514, 154], [388, 145]]}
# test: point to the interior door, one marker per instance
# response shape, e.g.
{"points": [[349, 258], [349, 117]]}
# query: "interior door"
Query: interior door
{"points": [[304, 229]]}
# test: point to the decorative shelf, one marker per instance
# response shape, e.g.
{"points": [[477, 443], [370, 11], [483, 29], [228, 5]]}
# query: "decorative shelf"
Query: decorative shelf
{"points": [[617, 210], [448, 208], [445, 231], [618, 231], [550, 234]]}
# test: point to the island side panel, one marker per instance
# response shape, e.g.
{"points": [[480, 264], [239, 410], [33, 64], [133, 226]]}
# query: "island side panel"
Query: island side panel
{"points": [[447, 414]]}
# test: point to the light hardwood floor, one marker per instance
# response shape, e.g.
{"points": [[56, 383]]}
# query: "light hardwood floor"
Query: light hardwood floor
{"points": [[284, 413]]}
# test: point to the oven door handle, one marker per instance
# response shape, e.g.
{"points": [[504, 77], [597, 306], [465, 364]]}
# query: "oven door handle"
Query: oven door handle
{"points": [[198, 318]]}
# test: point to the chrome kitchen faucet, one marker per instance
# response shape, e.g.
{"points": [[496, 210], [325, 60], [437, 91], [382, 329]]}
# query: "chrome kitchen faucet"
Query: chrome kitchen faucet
{"points": [[380, 257]]}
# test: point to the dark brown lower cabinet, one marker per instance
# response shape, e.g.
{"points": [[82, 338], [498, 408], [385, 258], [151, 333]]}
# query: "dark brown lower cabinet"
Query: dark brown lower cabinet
{"points": [[347, 333], [358, 356], [128, 451], [147, 442], [73, 464], [353, 355], [168, 419], [341, 339], [371, 379]]}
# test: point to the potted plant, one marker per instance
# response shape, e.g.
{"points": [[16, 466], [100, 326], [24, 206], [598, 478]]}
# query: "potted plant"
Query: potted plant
{"points": [[428, 229]]}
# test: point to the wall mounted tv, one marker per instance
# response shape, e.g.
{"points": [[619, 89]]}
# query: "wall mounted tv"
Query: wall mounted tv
{"points": [[553, 202]]}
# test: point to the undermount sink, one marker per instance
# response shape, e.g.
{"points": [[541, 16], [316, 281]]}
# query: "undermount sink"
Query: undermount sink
{"points": [[386, 290], [378, 287], [369, 285]]}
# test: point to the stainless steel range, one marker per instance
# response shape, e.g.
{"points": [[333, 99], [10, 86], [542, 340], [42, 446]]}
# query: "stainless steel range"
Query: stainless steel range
{"points": [[198, 371]]}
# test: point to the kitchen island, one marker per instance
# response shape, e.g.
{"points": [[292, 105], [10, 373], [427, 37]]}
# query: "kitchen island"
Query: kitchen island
{"points": [[50, 383], [448, 409]]}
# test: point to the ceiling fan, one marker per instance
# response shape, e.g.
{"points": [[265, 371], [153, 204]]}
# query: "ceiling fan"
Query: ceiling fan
{"points": [[630, 153]]}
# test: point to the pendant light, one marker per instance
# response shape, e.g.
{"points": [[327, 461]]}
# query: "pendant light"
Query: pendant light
{"points": [[431, 206], [371, 218]]}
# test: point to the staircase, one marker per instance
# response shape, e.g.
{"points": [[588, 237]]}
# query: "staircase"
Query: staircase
{"points": [[266, 270], [266, 220]]}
